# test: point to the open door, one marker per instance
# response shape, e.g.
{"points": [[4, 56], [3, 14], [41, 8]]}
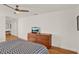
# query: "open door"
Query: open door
{"points": [[11, 28]]}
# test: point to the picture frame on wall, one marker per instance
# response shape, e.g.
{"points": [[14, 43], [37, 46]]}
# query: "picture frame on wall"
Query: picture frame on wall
{"points": [[77, 23]]}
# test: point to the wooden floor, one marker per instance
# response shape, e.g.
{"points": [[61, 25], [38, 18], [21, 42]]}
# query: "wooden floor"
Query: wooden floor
{"points": [[57, 50], [52, 50], [10, 37]]}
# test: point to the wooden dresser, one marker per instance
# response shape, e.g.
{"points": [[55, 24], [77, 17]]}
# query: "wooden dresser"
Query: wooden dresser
{"points": [[42, 38]]}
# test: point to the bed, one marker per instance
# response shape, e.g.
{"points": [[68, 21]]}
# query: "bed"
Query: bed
{"points": [[21, 46]]}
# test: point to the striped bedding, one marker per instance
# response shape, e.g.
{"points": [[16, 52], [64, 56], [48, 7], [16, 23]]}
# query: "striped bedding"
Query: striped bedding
{"points": [[20, 46]]}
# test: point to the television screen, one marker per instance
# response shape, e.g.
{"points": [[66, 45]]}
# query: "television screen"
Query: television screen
{"points": [[35, 29]]}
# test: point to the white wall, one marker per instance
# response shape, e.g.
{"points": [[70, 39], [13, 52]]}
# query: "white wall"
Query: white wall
{"points": [[14, 29], [2, 28], [62, 25]]}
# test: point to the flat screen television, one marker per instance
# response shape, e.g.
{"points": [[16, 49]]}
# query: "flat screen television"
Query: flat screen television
{"points": [[35, 29]]}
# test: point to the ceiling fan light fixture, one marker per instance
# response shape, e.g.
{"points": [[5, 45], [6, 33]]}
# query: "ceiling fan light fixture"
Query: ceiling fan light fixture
{"points": [[16, 12]]}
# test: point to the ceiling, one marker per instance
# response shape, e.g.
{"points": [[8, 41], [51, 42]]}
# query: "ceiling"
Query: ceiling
{"points": [[36, 9]]}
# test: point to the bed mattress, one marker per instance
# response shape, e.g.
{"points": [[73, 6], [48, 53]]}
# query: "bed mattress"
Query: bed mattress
{"points": [[20, 46]]}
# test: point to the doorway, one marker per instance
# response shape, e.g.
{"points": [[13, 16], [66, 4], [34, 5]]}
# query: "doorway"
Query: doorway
{"points": [[11, 28]]}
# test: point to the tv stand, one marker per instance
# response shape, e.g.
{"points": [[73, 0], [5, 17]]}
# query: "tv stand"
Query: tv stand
{"points": [[41, 38]]}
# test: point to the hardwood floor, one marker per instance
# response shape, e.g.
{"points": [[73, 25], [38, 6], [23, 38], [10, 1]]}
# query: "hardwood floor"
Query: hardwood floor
{"points": [[10, 37], [57, 50], [52, 50]]}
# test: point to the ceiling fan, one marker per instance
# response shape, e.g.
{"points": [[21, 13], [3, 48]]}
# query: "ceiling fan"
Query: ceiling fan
{"points": [[16, 8]]}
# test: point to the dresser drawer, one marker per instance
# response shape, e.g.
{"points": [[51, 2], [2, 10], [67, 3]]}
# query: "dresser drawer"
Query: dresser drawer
{"points": [[44, 39], [32, 37], [46, 42]]}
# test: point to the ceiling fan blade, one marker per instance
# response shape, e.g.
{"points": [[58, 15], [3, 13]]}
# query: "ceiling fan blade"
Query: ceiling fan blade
{"points": [[23, 10], [16, 9], [9, 6]]}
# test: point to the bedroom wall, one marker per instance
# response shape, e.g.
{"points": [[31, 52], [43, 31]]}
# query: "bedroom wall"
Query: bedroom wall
{"points": [[2, 28], [2, 24], [62, 25], [14, 29]]}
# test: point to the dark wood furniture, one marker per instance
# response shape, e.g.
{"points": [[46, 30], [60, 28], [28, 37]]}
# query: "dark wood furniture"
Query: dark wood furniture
{"points": [[41, 38]]}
